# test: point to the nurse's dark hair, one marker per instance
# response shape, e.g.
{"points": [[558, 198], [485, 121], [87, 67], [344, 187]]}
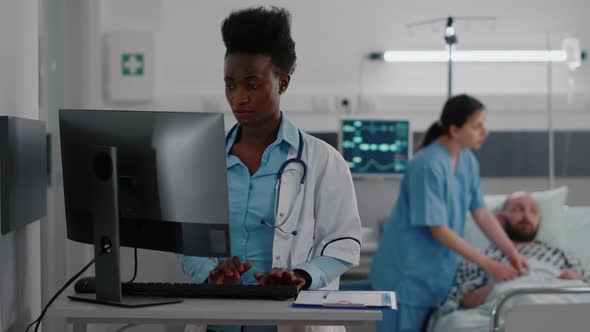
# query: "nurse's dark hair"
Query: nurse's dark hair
{"points": [[261, 30], [456, 112]]}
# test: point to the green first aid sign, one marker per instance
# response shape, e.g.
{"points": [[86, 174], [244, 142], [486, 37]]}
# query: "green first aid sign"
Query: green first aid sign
{"points": [[132, 64]]}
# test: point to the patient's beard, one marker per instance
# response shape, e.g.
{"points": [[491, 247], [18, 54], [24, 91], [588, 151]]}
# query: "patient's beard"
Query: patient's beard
{"points": [[517, 235]]}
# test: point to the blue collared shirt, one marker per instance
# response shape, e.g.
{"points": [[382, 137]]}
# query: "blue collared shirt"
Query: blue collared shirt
{"points": [[251, 204], [252, 199]]}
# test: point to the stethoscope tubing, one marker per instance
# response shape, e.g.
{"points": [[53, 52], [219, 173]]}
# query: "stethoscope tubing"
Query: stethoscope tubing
{"points": [[296, 160]]}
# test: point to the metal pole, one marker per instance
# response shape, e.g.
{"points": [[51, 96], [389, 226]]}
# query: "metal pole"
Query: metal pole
{"points": [[550, 133], [450, 74]]}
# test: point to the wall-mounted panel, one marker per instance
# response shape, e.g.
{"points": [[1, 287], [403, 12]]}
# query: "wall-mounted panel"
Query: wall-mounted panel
{"points": [[526, 153]]}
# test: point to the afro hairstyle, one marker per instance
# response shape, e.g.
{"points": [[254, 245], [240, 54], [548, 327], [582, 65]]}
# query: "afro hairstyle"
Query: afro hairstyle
{"points": [[261, 30]]}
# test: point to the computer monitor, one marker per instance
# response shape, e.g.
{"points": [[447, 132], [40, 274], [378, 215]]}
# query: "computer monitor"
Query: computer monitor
{"points": [[153, 180], [23, 172], [375, 146]]}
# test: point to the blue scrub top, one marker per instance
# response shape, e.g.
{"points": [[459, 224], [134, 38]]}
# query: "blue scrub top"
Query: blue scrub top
{"points": [[409, 260]]}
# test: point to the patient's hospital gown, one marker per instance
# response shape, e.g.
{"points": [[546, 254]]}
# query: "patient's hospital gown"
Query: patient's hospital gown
{"points": [[470, 276]]}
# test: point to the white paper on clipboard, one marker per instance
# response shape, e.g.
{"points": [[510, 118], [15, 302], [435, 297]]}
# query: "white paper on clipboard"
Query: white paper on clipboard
{"points": [[347, 299]]}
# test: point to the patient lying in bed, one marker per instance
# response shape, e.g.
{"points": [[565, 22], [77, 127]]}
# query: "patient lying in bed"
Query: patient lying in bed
{"points": [[474, 292], [521, 219]]}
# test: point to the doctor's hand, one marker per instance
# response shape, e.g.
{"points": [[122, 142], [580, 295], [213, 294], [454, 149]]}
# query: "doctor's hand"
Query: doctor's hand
{"points": [[228, 271], [499, 271], [279, 276], [518, 262]]}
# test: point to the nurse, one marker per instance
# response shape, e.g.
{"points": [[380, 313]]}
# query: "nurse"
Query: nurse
{"points": [[417, 255], [312, 236]]}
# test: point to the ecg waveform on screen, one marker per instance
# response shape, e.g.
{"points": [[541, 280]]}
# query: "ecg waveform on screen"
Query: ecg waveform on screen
{"points": [[376, 146], [374, 163]]}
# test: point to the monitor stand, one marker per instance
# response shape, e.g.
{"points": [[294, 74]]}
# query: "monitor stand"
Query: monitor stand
{"points": [[105, 220]]}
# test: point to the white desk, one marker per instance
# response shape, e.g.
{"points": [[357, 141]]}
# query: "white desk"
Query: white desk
{"points": [[209, 311]]}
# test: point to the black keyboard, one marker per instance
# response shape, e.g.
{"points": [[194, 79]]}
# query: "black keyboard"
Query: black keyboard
{"points": [[187, 290]]}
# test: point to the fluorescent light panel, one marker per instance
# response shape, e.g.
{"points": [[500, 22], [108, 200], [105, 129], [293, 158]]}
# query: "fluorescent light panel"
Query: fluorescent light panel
{"points": [[476, 56]]}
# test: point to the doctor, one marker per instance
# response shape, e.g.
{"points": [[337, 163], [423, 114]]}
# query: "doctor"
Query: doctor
{"points": [[417, 254], [293, 209]]}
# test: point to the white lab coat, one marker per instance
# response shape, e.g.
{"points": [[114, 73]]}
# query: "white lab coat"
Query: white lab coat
{"points": [[324, 215]]}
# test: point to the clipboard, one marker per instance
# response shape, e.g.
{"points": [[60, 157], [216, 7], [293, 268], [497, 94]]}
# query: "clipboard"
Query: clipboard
{"points": [[366, 300]]}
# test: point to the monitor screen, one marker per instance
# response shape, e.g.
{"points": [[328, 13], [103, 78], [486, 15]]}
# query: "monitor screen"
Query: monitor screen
{"points": [[375, 146], [171, 186], [23, 172]]}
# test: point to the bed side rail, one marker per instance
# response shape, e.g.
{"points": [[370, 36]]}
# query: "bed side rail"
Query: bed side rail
{"points": [[495, 319]]}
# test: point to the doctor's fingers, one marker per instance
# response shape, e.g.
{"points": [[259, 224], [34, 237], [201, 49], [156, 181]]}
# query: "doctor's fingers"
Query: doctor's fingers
{"points": [[271, 277], [287, 277], [261, 277], [290, 278], [283, 277], [219, 278], [247, 265], [228, 268], [216, 277], [278, 273], [237, 265]]}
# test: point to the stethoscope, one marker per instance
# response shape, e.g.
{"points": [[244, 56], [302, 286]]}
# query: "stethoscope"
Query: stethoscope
{"points": [[296, 160]]}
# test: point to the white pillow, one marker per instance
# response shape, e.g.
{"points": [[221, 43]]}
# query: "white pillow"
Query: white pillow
{"points": [[552, 207], [578, 220]]}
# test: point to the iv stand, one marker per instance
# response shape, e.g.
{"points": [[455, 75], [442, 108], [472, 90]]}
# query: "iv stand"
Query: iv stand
{"points": [[551, 131], [450, 39]]}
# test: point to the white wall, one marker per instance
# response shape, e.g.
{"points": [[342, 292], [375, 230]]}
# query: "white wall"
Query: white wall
{"points": [[20, 281], [332, 38], [54, 268], [189, 54]]}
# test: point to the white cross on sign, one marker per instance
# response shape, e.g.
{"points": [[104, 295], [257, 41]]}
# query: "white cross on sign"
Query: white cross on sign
{"points": [[132, 64]]}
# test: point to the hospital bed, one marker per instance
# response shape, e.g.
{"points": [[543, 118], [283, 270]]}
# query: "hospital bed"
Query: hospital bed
{"points": [[542, 317], [558, 307]]}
